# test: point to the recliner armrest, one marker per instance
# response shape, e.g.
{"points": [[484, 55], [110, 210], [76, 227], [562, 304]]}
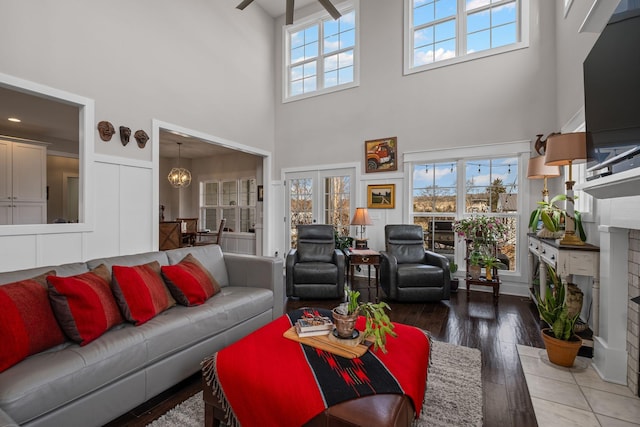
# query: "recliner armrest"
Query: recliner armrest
{"points": [[441, 261], [388, 274]]}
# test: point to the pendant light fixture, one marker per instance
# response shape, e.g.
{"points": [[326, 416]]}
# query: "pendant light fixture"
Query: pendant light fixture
{"points": [[179, 177]]}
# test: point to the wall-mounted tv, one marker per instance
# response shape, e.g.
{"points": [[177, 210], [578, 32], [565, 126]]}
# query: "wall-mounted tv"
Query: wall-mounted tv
{"points": [[612, 94]]}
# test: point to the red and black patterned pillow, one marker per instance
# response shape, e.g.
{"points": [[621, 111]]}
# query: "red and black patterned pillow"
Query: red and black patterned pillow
{"points": [[27, 323], [84, 305], [189, 281], [140, 292]]}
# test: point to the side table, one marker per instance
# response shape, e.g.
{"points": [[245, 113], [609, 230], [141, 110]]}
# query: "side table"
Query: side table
{"points": [[366, 257]]}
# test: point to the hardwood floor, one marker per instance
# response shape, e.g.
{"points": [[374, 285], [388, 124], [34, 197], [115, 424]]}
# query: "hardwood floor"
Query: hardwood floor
{"points": [[493, 327]]}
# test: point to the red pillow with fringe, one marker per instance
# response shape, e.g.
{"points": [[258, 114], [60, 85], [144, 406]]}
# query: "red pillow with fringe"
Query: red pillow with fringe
{"points": [[189, 281], [84, 305], [140, 292]]}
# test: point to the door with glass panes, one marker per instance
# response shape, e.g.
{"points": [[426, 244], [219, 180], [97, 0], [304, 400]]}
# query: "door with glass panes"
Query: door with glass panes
{"points": [[319, 197]]}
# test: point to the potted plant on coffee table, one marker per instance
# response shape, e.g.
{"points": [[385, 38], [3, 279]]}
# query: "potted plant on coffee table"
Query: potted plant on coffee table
{"points": [[561, 342], [378, 325]]}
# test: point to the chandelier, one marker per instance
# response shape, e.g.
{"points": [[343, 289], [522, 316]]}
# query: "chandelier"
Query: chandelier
{"points": [[179, 177]]}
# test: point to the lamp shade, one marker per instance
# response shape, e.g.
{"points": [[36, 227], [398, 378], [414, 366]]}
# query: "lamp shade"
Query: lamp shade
{"points": [[361, 217], [538, 170], [565, 149]]}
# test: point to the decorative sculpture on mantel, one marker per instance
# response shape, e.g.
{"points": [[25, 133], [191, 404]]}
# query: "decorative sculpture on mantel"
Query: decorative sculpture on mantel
{"points": [[540, 145]]}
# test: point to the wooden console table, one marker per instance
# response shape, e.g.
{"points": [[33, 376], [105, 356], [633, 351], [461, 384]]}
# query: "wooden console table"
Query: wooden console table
{"points": [[567, 261]]}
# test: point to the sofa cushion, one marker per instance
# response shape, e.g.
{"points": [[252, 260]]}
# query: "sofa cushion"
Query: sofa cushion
{"points": [[140, 291], [189, 282], [84, 305], [27, 323], [210, 256]]}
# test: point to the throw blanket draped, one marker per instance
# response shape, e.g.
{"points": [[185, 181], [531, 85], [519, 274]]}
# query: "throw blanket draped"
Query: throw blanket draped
{"points": [[265, 379]]}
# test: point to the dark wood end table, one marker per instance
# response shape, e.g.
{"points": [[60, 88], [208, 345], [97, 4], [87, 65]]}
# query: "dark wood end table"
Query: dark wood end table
{"points": [[369, 258]]}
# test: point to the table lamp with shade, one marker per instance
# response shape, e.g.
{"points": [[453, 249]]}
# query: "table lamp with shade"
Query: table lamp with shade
{"points": [[565, 150], [538, 170], [361, 218]]}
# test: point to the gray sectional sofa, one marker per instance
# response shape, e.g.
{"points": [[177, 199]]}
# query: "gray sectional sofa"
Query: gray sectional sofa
{"points": [[70, 385]]}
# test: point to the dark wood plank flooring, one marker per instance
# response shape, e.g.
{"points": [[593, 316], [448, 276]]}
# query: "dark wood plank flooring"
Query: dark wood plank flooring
{"points": [[478, 321]]}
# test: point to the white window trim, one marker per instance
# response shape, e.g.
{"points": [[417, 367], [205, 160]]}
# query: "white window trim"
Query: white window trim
{"points": [[342, 7], [519, 149], [523, 26]]}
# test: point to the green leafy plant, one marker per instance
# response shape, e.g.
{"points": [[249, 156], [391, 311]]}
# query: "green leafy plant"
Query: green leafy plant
{"points": [[453, 267], [342, 242], [553, 309], [475, 258], [378, 325], [489, 261], [488, 229], [552, 216]]}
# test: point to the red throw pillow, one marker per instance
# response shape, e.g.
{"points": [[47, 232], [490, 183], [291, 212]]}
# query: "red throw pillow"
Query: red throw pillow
{"points": [[140, 292], [27, 323], [84, 305], [189, 282]]}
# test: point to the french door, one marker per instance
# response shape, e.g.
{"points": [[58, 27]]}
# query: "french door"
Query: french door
{"points": [[319, 197]]}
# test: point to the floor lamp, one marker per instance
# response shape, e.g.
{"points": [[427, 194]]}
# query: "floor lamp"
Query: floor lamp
{"points": [[565, 150], [538, 170]]}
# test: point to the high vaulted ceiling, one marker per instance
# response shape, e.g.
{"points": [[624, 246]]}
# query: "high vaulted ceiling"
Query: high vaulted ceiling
{"points": [[277, 8]]}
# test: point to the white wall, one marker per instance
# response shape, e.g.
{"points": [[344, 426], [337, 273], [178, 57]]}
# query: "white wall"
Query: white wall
{"points": [[200, 64]]}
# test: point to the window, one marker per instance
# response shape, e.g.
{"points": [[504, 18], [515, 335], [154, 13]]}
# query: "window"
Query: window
{"points": [[234, 200], [321, 54], [440, 195], [441, 32]]}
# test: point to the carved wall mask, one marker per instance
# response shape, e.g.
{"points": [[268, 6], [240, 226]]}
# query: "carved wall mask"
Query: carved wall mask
{"points": [[141, 137], [125, 134], [106, 130]]}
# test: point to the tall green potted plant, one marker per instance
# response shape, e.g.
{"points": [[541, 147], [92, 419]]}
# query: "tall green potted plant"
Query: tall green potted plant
{"points": [[552, 218], [561, 342]]}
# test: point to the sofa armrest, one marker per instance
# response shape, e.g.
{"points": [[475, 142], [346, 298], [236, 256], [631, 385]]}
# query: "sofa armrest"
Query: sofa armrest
{"points": [[258, 272], [6, 421], [388, 274]]}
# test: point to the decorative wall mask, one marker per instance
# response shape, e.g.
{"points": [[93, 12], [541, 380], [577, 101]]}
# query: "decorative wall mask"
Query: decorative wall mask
{"points": [[141, 137], [106, 130], [125, 134]]}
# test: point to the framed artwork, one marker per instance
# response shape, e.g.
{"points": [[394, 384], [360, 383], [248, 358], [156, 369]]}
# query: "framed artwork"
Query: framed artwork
{"points": [[381, 196], [381, 155], [260, 193]]}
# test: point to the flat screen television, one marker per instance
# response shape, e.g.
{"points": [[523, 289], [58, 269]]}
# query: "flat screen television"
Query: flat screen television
{"points": [[612, 95]]}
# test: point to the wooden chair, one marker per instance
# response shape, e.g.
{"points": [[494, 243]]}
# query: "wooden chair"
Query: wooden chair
{"points": [[170, 235], [190, 233]]}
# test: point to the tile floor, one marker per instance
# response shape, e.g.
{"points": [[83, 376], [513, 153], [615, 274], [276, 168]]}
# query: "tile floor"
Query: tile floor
{"points": [[575, 396]]}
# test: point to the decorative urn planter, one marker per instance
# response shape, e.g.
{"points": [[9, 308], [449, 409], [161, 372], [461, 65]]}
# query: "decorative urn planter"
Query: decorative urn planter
{"points": [[561, 352], [345, 323], [475, 271]]}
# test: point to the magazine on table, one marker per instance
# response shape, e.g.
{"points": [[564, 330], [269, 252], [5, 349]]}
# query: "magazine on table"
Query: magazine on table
{"points": [[314, 324], [303, 334]]}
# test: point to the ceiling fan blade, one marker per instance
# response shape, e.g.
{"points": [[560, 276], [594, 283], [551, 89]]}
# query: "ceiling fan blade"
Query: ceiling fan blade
{"points": [[244, 4], [330, 8], [289, 13]]}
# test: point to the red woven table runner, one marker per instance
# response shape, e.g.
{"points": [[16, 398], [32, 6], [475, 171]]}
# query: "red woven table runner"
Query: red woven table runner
{"points": [[265, 379]]}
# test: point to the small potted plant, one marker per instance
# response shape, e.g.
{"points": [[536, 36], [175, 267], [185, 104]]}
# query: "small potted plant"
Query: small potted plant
{"points": [[490, 262], [561, 342], [378, 325], [453, 268], [475, 265], [552, 218]]}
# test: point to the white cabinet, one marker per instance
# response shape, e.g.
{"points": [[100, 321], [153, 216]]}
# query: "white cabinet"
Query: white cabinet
{"points": [[23, 183]]}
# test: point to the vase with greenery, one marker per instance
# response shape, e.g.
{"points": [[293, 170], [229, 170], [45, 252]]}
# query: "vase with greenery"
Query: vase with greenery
{"points": [[453, 268], [552, 217], [342, 242], [377, 324], [561, 342], [475, 264], [489, 230]]}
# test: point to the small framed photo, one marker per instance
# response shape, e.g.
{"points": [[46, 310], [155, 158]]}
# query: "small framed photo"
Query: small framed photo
{"points": [[260, 193], [380, 155], [381, 196]]}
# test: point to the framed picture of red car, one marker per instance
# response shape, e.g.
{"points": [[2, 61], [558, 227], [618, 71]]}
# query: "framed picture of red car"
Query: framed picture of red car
{"points": [[381, 155], [381, 196]]}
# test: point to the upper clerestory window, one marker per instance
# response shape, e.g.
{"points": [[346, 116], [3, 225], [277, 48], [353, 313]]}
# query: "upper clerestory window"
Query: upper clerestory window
{"points": [[321, 54], [444, 32]]}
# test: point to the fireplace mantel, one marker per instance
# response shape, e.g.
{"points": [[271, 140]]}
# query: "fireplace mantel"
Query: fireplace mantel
{"points": [[622, 184]]}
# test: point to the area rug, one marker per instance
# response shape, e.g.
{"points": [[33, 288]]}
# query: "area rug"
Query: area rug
{"points": [[453, 396]]}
